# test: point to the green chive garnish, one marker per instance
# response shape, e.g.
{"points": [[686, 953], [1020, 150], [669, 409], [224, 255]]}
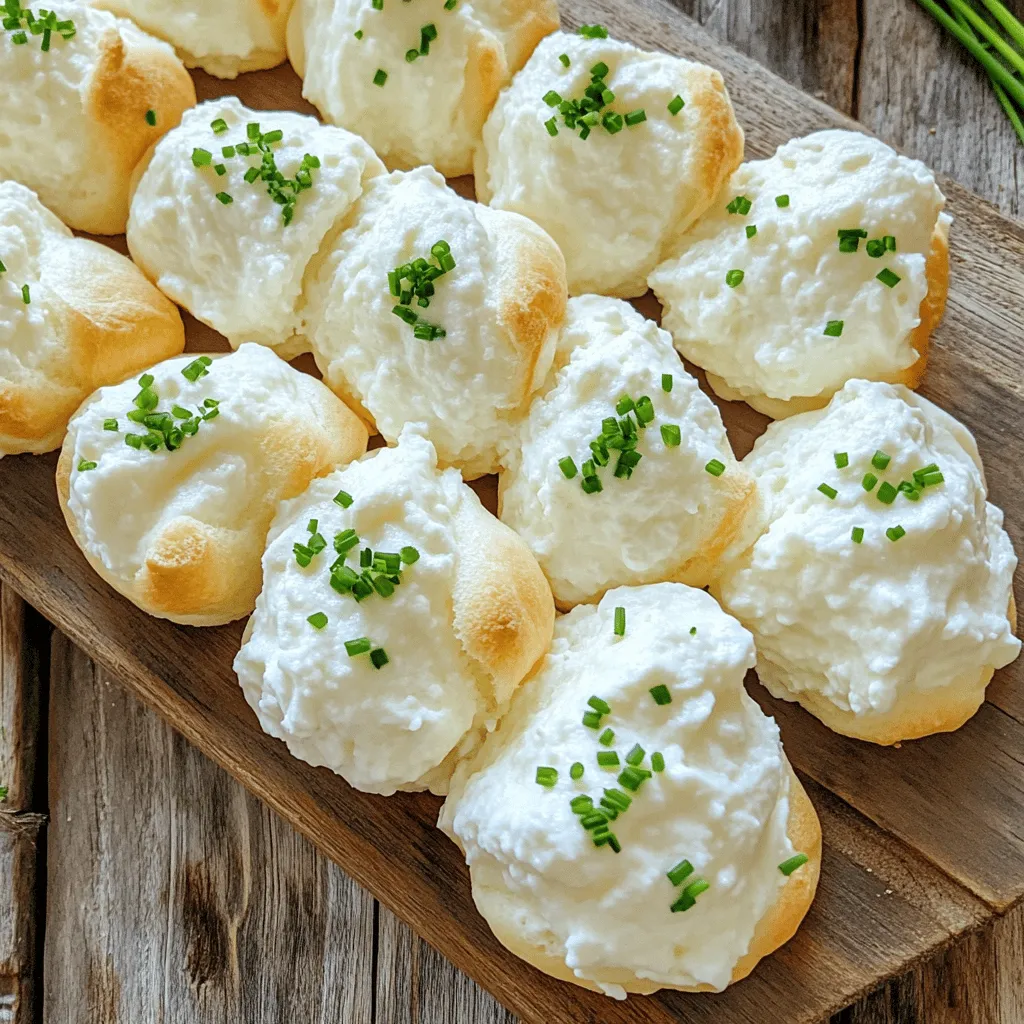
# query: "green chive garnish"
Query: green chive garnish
{"points": [[740, 205], [361, 645], [880, 459], [675, 105], [857, 534], [224, 198], [620, 621], [734, 278], [833, 329], [317, 620], [26, 295], [680, 872], [378, 657], [842, 460], [782, 202], [591, 719], [84, 465], [608, 759], [380, 77], [201, 158], [869, 481], [564, 58], [636, 117], [715, 468], [829, 492], [635, 755], [197, 368], [888, 278], [607, 738], [666, 382], [546, 777], [593, 32], [798, 860], [688, 897], [875, 248], [576, 773], [110, 424], [358, 33], [568, 467], [894, 533], [151, 118], [661, 694], [602, 707], [343, 498], [671, 435], [751, 230], [658, 761], [886, 493]]}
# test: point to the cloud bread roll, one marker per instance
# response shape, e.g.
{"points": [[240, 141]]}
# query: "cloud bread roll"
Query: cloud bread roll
{"points": [[231, 250], [499, 305], [664, 139], [389, 666], [671, 495], [74, 315], [826, 262], [81, 113], [223, 38], [444, 63], [169, 483], [634, 824], [878, 585]]}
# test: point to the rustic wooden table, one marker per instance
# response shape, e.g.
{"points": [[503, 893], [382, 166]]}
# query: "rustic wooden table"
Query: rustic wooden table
{"points": [[169, 894]]}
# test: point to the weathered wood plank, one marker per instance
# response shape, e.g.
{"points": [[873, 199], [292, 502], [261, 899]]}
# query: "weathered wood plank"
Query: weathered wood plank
{"points": [[23, 641], [173, 895]]}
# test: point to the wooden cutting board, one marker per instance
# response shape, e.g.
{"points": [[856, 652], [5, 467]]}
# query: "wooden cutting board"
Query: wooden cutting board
{"points": [[922, 844]]}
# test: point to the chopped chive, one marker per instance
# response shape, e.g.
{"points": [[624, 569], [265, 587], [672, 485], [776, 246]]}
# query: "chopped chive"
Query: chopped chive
{"points": [[409, 555], [880, 459], [680, 872], [551, 126], [782, 202], [378, 657], [546, 776], [658, 761], [675, 105], [671, 435], [591, 719], [380, 77], [644, 410], [734, 278], [151, 118], [798, 860], [889, 241], [894, 533], [225, 198], [608, 759], [576, 771], [602, 707], [219, 126], [636, 117], [361, 645], [833, 329], [620, 621], [343, 498], [636, 754], [593, 32], [688, 897], [829, 492], [666, 382], [886, 493], [317, 620], [358, 33], [888, 278], [607, 738], [661, 694], [110, 424], [693, 631], [580, 804], [875, 248], [751, 230], [196, 369], [201, 158], [740, 205], [632, 778], [869, 481], [84, 465], [857, 534], [551, 98], [568, 467], [26, 295], [842, 460], [564, 58], [624, 405], [593, 820], [715, 468]]}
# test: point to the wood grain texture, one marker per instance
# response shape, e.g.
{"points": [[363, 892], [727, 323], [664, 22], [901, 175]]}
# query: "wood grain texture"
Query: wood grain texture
{"points": [[858, 932], [23, 641], [173, 895]]}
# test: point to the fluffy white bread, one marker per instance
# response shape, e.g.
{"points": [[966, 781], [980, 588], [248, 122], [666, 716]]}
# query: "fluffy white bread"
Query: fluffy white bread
{"points": [[463, 627], [501, 306], [882, 640], [180, 533], [615, 204], [239, 267], [432, 110], [727, 801], [763, 341], [672, 519], [91, 319], [74, 124], [223, 38]]}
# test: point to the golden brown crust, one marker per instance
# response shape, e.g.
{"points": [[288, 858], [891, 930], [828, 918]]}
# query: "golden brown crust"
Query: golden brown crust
{"points": [[531, 290], [504, 614], [200, 575], [778, 925], [718, 151], [130, 79], [933, 306], [110, 323]]}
